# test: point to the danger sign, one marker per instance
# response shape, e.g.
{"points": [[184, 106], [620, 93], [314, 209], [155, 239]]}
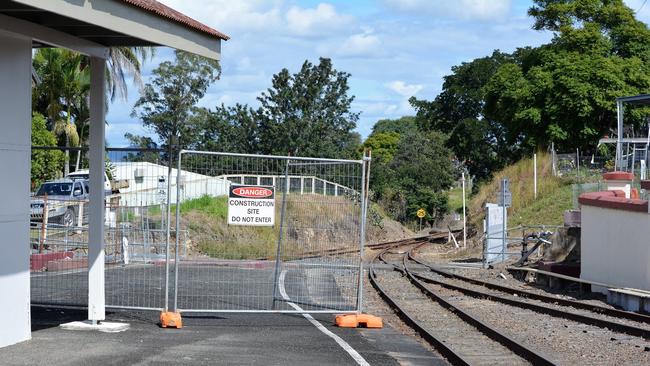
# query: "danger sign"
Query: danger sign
{"points": [[251, 205]]}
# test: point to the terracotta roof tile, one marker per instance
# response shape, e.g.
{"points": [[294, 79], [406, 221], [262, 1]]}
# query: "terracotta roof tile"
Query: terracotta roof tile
{"points": [[171, 14]]}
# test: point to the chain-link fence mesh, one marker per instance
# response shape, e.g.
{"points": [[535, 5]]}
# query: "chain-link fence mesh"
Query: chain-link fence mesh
{"points": [[317, 209], [135, 231]]}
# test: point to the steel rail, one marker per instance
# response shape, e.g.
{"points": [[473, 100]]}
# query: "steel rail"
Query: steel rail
{"points": [[452, 355], [513, 345], [438, 344], [535, 296], [561, 313]]}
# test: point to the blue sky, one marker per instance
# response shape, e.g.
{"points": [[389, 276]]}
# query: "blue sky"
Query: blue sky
{"points": [[394, 49]]}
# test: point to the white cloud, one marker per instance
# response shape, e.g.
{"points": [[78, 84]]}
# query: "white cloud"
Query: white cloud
{"points": [[404, 89], [360, 45], [318, 21], [459, 9], [231, 16]]}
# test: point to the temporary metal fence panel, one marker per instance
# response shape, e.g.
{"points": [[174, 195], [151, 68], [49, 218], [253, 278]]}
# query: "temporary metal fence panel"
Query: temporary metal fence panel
{"points": [[272, 256], [136, 235]]}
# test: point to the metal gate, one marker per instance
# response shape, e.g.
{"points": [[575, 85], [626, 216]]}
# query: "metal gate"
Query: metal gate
{"points": [[306, 258]]}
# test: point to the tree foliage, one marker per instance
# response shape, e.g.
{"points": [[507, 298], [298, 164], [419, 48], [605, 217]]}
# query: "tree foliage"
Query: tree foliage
{"points": [[46, 164], [147, 149], [497, 108], [167, 103], [458, 111], [564, 92], [402, 126], [229, 129], [411, 169], [308, 113]]}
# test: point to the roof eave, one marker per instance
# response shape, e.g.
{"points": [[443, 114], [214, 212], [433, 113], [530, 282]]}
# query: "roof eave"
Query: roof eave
{"points": [[141, 25]]}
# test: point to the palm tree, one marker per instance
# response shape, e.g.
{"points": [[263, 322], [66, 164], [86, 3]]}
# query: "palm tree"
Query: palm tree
{"points": [[123, 61], [62, 94], [63, 89]]}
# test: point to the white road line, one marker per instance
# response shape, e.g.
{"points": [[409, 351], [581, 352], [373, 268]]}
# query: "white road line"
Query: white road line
{"points": [[351, 351]]}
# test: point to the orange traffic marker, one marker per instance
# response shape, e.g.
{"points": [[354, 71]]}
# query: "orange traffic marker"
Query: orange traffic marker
{"points": [[356, 320], [169, 319]]}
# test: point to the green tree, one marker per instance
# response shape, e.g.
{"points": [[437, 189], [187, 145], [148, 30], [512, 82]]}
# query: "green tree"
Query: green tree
{"points": [[423, 167], [416, 176], [308, 113], [384, 145], [564, 92], [123, 61], [167, 103], [146, 149], [458, 112], [401, 125], [46, 164], [62, 92], [230, 129]]}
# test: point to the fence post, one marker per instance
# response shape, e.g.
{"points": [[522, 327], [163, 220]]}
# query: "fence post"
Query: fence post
{"points": [[504, 245], [578, 165], [464, 216], [553, 160], [365, 183], [278, 252], [178, 224], [168, 210], [535, 175], [44, 224]]}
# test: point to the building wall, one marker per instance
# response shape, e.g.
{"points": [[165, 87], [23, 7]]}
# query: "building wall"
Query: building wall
{"points": [[15, 145], [615, 247], [149, 191]]}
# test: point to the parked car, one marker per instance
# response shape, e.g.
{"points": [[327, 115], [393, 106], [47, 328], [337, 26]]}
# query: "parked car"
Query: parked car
{"points": [[64, 197], [84, 175]]}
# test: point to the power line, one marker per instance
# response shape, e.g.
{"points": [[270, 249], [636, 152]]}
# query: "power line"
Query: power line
{"points": [[642, 5]]}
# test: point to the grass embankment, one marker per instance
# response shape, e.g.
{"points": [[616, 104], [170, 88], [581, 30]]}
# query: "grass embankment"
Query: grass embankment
{"points": [[554, 194], [206, 220], [313, 223]]}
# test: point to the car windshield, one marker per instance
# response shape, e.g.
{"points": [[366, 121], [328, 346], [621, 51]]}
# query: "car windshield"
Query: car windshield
{"points": [[55, 189]]}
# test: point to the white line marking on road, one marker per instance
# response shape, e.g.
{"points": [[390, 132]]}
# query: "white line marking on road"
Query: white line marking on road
{"points": [[351, 351]]}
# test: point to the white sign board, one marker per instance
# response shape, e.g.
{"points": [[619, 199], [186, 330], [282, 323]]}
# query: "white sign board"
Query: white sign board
{"points": [[494, 246], [251, 205]]}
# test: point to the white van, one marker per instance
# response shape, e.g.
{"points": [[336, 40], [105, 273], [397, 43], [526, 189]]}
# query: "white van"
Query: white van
{"points": [[84, 174]]}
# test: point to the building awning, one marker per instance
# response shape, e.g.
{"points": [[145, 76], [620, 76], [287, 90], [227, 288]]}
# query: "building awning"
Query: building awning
{"points": [[114, 23], [641, 99]]}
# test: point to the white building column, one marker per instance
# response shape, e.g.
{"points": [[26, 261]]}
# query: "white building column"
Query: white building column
{"points": [[15, 160], [96, 296]]}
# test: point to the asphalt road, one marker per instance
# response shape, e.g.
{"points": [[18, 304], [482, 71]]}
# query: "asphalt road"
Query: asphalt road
{"points": [[208, 338], [205, 285], [233, 339]]}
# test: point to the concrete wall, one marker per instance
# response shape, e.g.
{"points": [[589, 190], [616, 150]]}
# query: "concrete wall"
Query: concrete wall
{"points": [[615, 247], [15, 145]]}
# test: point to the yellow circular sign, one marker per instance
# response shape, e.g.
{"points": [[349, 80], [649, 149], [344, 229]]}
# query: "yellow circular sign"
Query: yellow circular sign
{"points": [[421, 213]]}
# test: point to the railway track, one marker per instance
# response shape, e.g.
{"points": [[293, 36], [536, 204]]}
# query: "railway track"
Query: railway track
{"points": [[451, 322], [626, 322], [436, 237], [458, 335]]}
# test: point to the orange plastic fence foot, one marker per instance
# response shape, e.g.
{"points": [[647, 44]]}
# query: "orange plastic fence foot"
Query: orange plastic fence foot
{"points": [[357, 320], [169, 319]]}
